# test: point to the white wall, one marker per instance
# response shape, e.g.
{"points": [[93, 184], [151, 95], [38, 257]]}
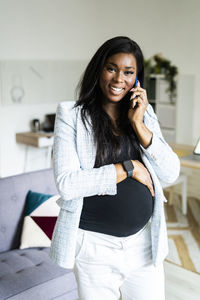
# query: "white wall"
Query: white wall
{"points": [[17, 119], [62, 29]]}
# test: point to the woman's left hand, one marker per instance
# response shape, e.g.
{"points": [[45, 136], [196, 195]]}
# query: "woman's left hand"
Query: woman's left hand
{"points": [[139, 96]]}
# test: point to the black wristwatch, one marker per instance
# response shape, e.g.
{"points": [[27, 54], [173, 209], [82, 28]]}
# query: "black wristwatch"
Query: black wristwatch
{"points": [[128, 167]]}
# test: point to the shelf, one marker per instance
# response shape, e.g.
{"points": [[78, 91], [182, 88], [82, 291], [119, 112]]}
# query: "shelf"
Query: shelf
{"points": [[35, 139], [162, 76], [168, 128], [166, 104], [175, 117]]}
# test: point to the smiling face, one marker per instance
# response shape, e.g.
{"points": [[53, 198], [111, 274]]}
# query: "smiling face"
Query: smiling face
{"points": [[117, 77]]}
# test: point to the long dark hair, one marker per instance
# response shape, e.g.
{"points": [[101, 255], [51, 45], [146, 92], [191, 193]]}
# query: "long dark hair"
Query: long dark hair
{"points": [[107, 144]]}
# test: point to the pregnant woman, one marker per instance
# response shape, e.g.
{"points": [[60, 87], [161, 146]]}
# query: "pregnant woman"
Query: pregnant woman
{"points": [[109, 159]]}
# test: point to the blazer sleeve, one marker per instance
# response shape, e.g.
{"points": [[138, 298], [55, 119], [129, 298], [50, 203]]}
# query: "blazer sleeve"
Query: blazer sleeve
{"points": [[163, 159], [71, 180]]}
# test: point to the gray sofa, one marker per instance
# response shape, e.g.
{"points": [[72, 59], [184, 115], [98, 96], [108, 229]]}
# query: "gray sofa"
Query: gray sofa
{"points": [[28, 273]]}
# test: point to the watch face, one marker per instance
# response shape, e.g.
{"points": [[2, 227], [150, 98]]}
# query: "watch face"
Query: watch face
{"points": [[128, 165]]}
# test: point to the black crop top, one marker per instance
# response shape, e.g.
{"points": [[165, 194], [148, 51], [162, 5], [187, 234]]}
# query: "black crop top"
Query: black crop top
{"points": [[122, 214]]}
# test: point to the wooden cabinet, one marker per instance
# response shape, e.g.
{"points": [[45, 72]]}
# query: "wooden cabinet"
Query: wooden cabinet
{"points": [[176, 118]]}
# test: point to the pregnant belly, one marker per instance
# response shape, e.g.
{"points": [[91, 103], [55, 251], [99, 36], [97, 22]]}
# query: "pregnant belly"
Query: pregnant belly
{"points": [[136, 197], [126, 212]]}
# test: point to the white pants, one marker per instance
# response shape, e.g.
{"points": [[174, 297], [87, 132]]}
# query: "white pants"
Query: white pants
{"points": [[109, 267]]}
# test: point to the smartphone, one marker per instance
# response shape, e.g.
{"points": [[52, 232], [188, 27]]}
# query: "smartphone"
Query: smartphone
{"points": [[135, 84]]}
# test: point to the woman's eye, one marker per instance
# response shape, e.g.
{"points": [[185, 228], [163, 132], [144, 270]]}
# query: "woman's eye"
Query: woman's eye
{"points": [[110, 69], [128, 73]]}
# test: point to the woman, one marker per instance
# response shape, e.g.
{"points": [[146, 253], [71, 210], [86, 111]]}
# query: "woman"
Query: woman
{"points": [[109, 159]]}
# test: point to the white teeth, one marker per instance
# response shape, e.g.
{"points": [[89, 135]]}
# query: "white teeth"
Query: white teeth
{"points": [[116, 89]]}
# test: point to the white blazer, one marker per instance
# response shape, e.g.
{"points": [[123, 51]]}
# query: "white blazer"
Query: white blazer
{"points": [[74, 155]]}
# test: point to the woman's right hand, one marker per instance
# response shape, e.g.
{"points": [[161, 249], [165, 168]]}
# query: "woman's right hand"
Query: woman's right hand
{"points": [[141, 174]]}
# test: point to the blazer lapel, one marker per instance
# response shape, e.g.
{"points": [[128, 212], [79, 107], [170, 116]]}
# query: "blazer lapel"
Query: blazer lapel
{"points": [[85, 144]]}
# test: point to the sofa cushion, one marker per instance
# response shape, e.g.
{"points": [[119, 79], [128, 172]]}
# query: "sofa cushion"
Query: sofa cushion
{"points": [[29, 272], [41, 213], [13, 193]]}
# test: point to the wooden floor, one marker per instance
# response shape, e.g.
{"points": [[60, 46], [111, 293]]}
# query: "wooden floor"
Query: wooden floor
{"points": [[182, 281], [184, 234], [181, 284]]}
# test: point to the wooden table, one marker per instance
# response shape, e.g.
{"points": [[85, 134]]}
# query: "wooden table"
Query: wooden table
{"points": [[185, 150], [182, 151], [38, 139]]}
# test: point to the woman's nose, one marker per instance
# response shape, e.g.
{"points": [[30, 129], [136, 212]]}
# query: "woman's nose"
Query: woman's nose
{"points": [[118, 77]]}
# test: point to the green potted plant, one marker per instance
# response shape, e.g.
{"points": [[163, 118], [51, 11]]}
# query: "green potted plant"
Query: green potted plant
{"points": [[157, 64]]}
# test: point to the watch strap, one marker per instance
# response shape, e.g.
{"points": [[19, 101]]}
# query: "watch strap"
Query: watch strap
{"points": [[128, 167]]}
